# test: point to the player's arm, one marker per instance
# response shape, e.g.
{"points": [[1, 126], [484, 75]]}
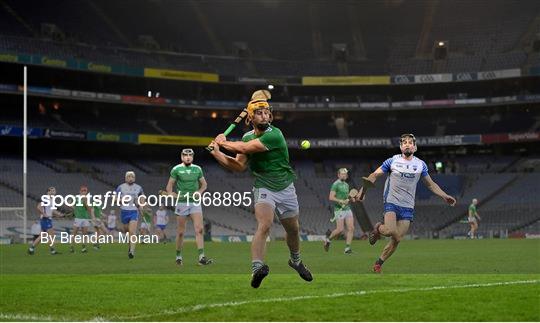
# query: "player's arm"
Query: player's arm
{"points": [[202, 185], [58, 214], [41, 209], [91, 212], [436, 189], [118, 192], [376, 174], [236, 164], [240, 147], [170, 185]]}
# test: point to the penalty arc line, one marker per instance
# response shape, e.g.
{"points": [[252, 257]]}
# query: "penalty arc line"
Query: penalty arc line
{"points": [[188, 309]]}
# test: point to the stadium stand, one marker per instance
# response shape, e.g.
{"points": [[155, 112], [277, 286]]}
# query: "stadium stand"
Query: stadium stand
{"points": [[401, 46]]}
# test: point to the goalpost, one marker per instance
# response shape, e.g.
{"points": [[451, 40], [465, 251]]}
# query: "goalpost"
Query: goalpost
{"points": [[25, 135]]}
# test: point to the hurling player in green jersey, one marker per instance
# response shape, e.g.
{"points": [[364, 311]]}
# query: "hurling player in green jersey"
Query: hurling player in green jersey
{"points": [[83, 213], [264, 150], [187, 184], [98, 224], [339, 195], [473, 218]]}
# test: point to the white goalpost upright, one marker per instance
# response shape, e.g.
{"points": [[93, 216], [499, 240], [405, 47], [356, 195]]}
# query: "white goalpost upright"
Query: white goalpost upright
{"points": [[25, 137]]}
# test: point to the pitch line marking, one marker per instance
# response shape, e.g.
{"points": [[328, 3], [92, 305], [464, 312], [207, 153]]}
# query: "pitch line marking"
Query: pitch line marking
{"points": [[189, 309], [199, 307]]}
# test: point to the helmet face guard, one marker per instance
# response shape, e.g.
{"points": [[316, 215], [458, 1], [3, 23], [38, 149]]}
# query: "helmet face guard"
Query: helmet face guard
{"points": [[185, 156], [187, 151]]}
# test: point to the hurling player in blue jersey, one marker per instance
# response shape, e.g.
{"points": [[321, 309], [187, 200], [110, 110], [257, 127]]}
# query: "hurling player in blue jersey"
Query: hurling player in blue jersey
{"points": [[404, 171]]}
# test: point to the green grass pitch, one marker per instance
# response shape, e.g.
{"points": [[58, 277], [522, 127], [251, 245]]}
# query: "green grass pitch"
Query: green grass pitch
{"points": [[425, 280]]}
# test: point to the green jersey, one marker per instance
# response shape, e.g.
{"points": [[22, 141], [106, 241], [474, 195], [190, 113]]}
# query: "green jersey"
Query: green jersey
{"points": [[80, 212], [187, 180], [270, 168], [472, 210], [97, 212], [342, 192]]}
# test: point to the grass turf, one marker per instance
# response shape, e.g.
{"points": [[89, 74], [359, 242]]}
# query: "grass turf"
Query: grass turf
{"points": [[433, 280]]}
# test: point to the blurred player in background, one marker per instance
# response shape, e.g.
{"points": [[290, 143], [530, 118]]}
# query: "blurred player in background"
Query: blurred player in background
{"points": [[129, 214], [473, 219], [98, 224], [111, 221], [161, 219], [46, 214], [188, 179], [404, 171], [265, 150], [339, 195], [146, 223], [83, 213]]}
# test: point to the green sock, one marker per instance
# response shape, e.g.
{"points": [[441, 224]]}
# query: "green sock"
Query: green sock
{"points": [[348, 246], [201, 253], [179, 253]]}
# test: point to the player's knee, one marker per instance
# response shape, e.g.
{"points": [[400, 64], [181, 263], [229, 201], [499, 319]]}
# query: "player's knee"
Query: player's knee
{"points": [[350, 230], [198, 230], [264, 228], [390, 231], [180, 234]]}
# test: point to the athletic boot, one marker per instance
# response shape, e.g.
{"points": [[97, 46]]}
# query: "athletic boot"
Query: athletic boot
{"points": [[326, 245], [258, 276], [302, 270], [205, 261]]}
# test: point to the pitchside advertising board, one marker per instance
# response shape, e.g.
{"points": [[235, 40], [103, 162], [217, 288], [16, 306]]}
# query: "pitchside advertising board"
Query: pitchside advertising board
{"points": [[16, 131], [220, 104], [197, 76], [134, 138]]}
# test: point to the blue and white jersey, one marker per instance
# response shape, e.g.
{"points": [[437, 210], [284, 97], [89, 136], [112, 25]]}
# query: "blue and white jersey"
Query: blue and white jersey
{"points": [[400, 186], [132, 190], [48, 212]]}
